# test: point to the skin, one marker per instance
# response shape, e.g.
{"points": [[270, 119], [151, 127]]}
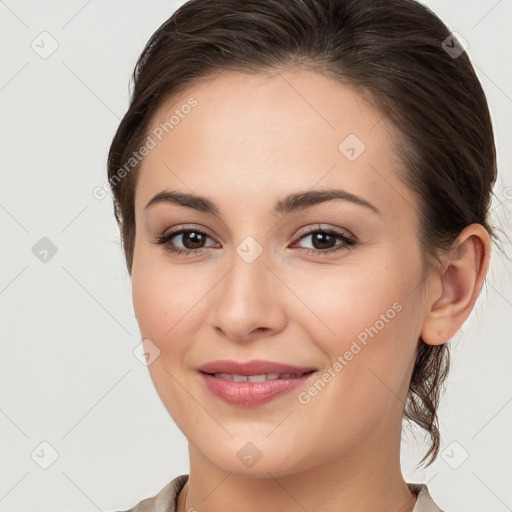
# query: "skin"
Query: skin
{"points": [[249, 142]]}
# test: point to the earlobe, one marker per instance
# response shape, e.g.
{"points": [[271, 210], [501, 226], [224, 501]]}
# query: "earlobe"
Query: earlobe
{"points": [[460, 279]]}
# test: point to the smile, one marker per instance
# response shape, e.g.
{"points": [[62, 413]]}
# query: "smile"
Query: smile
{"points": [[253, 390], [257, 378]]}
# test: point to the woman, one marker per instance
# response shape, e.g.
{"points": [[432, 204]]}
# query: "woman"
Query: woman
{"points": [[302, 189]]}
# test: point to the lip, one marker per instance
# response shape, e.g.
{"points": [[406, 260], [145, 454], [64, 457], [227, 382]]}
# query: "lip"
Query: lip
{"points": [[254, 367], [251, 394]]}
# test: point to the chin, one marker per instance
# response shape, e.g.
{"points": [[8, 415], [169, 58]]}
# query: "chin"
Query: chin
{"points": [[255, 459]]}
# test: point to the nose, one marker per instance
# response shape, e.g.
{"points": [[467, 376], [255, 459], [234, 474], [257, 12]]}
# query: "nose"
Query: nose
{"points": [[249, 301]]}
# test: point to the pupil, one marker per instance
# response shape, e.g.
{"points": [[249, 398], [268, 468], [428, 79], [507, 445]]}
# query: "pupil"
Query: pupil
{"points": [[191, 235], [319, 238]]}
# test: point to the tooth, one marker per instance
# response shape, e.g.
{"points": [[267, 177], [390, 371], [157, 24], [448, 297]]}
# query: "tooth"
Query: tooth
{"points": [[257, 378], [226, 376]]}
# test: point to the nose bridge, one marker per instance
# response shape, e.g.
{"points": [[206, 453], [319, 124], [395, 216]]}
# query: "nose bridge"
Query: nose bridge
{"points": [[247, 280], [249, 260], [246, 298]]}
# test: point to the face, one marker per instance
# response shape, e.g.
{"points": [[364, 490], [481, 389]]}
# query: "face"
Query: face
{"points": [[322, 283]]}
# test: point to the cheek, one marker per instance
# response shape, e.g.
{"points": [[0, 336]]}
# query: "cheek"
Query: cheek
{"points": [[354, 300], [171, 307], [370, 320], [164, 301], [150, 306]]}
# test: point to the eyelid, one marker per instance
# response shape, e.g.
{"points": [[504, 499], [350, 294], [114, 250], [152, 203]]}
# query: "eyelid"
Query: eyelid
{"points": [[304, 231], [320, 227], [187, 227], [179, 230], [348, 239]]}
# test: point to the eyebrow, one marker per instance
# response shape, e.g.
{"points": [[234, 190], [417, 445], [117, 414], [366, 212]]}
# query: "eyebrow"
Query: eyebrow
{"points": [[292, 202]]}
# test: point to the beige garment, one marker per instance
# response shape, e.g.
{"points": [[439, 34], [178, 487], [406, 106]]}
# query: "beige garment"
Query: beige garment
{"points": [[166, 500]]}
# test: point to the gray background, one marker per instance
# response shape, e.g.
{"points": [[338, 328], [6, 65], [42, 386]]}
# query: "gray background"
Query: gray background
{"points": [[69, 378]]}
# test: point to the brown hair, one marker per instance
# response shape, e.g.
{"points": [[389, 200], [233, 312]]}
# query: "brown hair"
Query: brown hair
{"points": [[396, 53]]}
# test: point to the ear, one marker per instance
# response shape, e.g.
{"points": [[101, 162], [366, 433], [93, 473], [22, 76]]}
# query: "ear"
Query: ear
{"points": [[454, 288]]}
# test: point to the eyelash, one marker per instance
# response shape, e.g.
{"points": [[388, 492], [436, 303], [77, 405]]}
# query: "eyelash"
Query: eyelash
{"points": [[348, 241]]}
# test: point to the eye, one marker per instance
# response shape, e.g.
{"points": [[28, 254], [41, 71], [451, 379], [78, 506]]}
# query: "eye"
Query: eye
{"points": [[324, 241], [192, 240]]}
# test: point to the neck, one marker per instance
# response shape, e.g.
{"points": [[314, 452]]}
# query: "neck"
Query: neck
{"points": [[368, 478]]}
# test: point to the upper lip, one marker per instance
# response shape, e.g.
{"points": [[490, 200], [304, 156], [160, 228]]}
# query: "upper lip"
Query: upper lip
{"points": [[254, 367]]}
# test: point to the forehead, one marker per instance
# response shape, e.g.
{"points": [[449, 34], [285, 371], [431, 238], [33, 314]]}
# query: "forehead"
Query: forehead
{"points": [[294, 101], [269, 134]]}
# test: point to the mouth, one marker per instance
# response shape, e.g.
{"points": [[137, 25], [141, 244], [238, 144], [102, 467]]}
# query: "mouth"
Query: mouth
{"points": [[257, 378], [254, 386], [253, 368]]}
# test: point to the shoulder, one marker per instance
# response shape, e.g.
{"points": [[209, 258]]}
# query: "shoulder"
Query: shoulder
{"points": [[424, 501], [164, 500]]}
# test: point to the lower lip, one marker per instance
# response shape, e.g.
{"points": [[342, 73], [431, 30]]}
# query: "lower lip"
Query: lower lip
{"points": [[250, 394]]}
